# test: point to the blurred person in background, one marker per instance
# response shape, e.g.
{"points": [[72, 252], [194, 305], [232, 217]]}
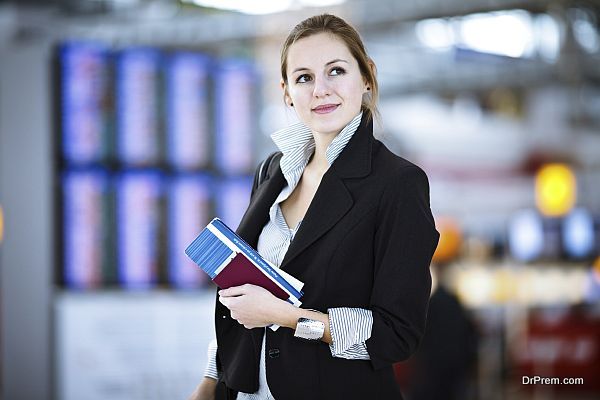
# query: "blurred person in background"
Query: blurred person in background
{"points": [[445, 362], [339, 211]]}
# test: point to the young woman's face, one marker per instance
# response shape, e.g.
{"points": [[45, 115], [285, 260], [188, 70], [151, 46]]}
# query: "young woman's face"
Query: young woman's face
{"points": [[324, 83]]}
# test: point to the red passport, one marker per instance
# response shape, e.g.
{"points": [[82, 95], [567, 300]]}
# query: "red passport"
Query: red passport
{"points": [[241, 270]]}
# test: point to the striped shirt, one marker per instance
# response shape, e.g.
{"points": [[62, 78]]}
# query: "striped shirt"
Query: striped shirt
{"points": [[350, 327]]}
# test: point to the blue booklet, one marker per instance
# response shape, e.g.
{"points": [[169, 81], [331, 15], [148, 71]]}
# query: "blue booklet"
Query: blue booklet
{"points": [[230, 261]]}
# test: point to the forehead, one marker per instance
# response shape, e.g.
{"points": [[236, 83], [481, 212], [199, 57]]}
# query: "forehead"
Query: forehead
{"points": [[315, 51]]}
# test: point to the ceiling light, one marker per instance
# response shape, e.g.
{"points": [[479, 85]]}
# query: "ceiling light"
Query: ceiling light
{"points": [[255, 7], [507, 33], [435, 33]]}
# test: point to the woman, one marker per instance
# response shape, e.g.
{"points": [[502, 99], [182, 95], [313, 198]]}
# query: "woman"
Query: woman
{"points": [[344, 215]]}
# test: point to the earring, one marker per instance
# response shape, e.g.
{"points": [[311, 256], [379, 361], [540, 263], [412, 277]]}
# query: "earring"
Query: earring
{"points": [[291, 104]]}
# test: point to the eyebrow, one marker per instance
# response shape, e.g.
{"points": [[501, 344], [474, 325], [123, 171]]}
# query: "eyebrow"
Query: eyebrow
{"points": [[330, 62]]}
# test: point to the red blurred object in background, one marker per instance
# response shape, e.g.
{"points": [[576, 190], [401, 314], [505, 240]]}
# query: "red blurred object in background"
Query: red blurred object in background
{"points": [[562, 345]]}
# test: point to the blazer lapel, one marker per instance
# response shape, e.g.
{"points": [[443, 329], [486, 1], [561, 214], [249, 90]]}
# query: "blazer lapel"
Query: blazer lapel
{"points": [[331, 202]]}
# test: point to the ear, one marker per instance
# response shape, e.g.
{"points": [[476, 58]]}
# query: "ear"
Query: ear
{"points": [[374, 71], [286, 95], [373, 66], [367, 86]]}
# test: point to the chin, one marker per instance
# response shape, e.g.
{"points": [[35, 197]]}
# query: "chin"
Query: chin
{"points": [[329, 124]]}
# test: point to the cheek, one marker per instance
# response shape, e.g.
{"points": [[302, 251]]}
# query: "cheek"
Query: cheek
{"points": [[358, 90], [349, 88], [299, 94], [302, 100], [353, 96]]}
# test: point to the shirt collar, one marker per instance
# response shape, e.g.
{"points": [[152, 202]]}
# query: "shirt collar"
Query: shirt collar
{"points": [[297, 144]]}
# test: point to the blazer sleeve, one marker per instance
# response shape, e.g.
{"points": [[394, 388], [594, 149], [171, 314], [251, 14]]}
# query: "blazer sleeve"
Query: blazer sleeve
{"points": [[405, 240]]}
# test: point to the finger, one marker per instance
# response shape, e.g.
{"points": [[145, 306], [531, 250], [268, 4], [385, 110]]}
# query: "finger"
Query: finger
{"points": [[226, 301], [234, 291]]}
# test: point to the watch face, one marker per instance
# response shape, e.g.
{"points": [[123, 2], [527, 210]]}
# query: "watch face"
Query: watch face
{"points": [[309, 329]]}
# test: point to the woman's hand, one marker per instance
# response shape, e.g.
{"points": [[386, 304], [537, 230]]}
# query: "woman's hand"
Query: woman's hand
{"points": [[205, 390], [255, 307]]}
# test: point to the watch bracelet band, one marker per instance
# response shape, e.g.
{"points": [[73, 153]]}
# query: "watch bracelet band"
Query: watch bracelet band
{"points": [[309, 329]]}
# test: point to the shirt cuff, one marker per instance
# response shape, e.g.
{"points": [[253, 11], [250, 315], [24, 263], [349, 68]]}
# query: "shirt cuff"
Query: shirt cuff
{"points": [[350, 328], [211, 364]]}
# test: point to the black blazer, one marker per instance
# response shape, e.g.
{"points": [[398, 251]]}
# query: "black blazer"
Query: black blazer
{"points": [[366, 241]]}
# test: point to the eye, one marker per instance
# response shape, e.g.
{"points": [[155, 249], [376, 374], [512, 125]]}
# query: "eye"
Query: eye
{"points": [[303, 78], [340, 71]]}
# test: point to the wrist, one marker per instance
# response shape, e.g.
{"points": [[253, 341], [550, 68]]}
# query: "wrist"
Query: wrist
{"points": [[287, 315]]}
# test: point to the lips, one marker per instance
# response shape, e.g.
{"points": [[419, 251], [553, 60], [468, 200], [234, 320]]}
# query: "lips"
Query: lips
{"points": [[325, 108]]}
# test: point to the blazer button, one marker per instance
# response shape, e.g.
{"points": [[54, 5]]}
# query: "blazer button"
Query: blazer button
{"points": [[273, 353]]}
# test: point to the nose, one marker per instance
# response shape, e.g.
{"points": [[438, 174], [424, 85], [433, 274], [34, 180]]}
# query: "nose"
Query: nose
{"points": [[322, 87]]}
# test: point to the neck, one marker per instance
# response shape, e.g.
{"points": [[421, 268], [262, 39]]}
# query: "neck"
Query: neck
{"points": [[319, 159]]}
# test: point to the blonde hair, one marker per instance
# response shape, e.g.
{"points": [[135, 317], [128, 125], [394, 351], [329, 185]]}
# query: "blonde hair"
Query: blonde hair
{"points": [[341, 29]]}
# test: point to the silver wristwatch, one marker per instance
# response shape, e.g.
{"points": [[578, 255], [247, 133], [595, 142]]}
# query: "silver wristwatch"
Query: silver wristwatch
{"points": [[309, 329]]}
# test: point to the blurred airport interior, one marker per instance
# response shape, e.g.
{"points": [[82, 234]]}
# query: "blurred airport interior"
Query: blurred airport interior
{"points": [[127, 125]]}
